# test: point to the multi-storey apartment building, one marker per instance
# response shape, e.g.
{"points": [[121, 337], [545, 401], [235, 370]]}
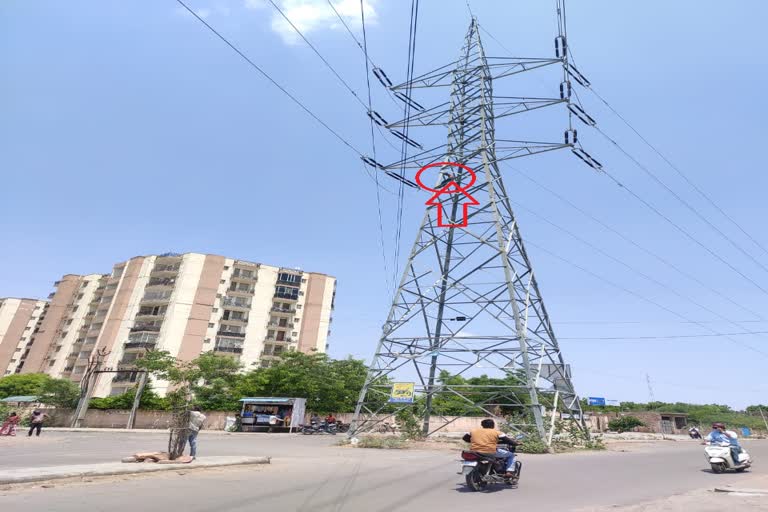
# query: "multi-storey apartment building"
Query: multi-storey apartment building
{"points": [[18, 327], [185, 304]]}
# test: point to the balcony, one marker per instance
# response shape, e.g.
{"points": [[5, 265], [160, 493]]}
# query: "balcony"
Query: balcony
{"points": [[236, 302], [155, 297], [229, 350], [165, 269], [245, 276], [145, 328], [274, 340], [281, 326], [230, 334], [139, 344], [244, 291], [161, 282], [286, 296], [289, 311]]}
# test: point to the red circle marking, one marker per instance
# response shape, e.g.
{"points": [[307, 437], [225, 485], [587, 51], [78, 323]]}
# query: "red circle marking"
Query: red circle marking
{"points": [[441, 164]]}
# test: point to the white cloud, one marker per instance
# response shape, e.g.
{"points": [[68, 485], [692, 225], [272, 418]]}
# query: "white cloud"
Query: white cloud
{"points": [[313, 15]]}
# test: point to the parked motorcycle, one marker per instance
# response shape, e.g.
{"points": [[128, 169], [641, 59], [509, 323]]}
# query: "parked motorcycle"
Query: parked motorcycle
{"points": [[342, 427], [319, 428], [720, 458], [483, 469]]}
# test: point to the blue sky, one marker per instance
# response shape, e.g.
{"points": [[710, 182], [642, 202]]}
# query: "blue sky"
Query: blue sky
{"points": [[128, 129]]}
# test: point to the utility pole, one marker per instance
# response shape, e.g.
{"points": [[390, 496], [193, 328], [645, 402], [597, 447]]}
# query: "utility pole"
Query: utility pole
{"points": [[763, 415], [468, 302]]}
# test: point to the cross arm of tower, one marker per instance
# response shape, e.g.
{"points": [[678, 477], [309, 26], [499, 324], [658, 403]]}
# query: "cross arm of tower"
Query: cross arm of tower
{"points": [[499, 67], [439, 115]]}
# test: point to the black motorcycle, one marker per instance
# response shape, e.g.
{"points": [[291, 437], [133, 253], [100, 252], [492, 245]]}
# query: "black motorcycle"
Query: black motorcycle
{"points": [[483, 469]]}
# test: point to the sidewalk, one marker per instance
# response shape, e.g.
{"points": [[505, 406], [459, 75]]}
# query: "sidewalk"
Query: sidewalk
{"points": [[40, 474]]}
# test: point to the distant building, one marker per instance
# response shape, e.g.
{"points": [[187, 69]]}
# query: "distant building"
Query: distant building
{"points": [[18, 323], [185, 304]]}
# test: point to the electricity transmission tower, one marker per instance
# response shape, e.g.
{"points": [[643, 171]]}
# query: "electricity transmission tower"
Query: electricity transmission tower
{"points": [[468, 302]]}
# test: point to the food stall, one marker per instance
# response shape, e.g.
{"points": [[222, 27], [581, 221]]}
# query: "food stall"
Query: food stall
{"points": [[271, 414]]}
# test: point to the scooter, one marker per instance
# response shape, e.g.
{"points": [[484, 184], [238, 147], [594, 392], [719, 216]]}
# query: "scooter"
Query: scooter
{"points": [[721, 460], [483, 469]]}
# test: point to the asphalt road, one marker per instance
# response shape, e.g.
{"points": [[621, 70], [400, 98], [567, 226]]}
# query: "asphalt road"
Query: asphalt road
{"points": [[310, 473]]}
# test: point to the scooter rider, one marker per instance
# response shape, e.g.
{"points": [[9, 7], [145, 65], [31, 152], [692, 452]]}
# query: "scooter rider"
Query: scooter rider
{"points": [[485, 439], [720, 435]]}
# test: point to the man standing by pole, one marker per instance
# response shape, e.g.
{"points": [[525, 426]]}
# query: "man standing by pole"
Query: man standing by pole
{"points": [[196, 420]]}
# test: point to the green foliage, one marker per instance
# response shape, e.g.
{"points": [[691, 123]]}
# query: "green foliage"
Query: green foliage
{"points": [[23, 384], [328, 385], [382, 442], [625, 424], [461, 402], [56, 392], [149, 401], [533, 444], [410, 428], [702, 415], [60, 393]]}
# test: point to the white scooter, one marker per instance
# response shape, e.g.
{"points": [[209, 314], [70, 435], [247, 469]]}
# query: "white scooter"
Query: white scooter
{"points": [[720, 458]]}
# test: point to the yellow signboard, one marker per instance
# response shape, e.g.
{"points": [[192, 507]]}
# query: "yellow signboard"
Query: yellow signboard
{"points": [[402, 393]]}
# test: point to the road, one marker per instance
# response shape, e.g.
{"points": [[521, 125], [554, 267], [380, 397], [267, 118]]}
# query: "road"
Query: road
{"points": [[311, 473]]}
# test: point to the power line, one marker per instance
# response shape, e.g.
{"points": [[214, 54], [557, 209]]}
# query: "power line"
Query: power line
{"points": [[404, 146], [325, 61], [271, 80], [679, 199], [683, 231], [638, 272], [635, 244], [373, 139], [665, 337], [637, 295], [673, 166]]}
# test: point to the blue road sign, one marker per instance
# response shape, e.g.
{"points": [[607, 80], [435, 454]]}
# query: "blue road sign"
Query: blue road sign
{"points": [[595, 401]]}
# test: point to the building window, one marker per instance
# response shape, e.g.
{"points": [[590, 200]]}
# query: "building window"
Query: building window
{"points": [[211, 325], [51, 363], [80, 296], [69, 322], [207, 340], [226, 267], [27, 328], [75, 308], [298, 306], [215, 310], [294, 333], [270, 333], [222, 281]]}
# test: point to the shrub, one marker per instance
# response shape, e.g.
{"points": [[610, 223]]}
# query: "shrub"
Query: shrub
{"points": [[385, 442], [625, 424]]}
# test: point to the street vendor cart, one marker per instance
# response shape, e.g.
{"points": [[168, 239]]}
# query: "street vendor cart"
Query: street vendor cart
{"points": [[271, 414]]}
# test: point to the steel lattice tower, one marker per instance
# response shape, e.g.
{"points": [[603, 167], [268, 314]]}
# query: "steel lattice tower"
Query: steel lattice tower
{"points": [[468, 301]]}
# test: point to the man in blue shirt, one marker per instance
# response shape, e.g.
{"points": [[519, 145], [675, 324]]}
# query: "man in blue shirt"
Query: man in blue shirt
{"points": [[721, 436]]}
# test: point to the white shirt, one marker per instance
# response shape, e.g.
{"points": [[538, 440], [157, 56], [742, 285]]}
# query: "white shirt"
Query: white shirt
{"points": [[196, 419]]}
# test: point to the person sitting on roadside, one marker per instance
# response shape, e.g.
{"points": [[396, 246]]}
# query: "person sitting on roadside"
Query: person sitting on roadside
{"points": [[484, 440]]}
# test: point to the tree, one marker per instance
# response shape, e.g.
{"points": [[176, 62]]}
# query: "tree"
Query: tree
{"points": [[23, 384], [56, 392], [149, 400], [60, 393], [328, 385], [191, 377]]}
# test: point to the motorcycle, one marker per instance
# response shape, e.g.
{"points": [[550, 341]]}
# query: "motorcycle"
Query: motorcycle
{"points": [[483, 469], [694, 433], [720, 458], [342, 427], [321, 428]]}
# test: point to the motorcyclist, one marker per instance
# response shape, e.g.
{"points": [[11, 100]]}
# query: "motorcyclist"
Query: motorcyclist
{"points": [[720, 435], [694, 433], [484, 440]]}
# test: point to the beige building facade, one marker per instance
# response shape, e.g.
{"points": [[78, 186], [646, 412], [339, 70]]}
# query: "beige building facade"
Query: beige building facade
{"points": [[18, 321], [185, 304]]}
